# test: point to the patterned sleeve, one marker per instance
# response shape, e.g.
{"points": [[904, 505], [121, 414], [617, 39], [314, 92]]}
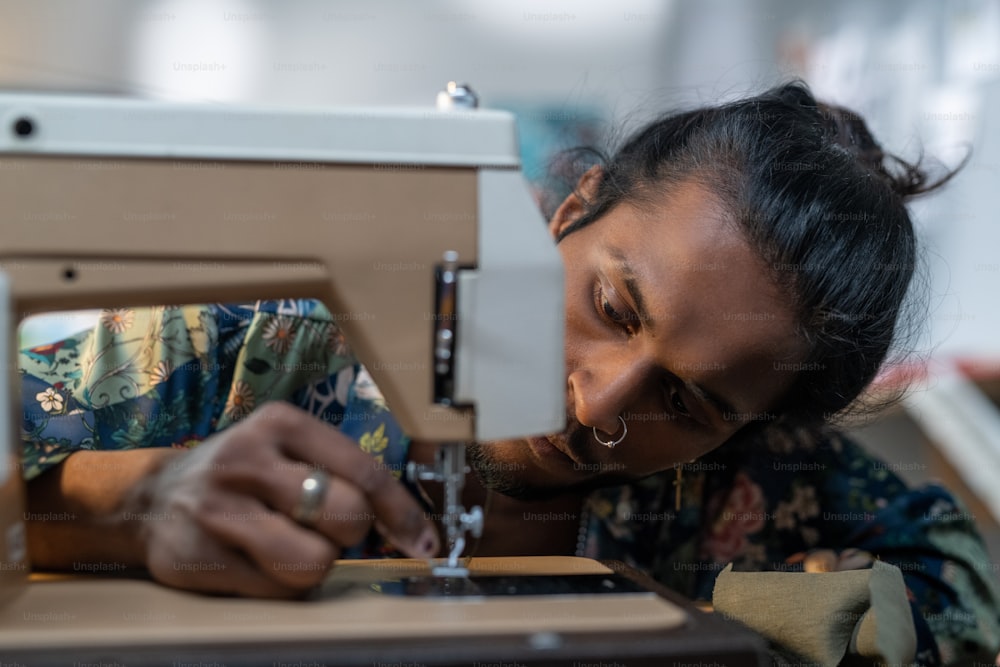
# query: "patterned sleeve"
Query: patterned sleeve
{"points": [[140, 378], [172, 376]]}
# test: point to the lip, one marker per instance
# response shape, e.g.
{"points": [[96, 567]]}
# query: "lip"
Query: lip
{"points": [[545, 447]]}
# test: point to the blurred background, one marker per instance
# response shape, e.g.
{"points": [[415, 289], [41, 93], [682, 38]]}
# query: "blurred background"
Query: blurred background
{"points": [[925, 73]]}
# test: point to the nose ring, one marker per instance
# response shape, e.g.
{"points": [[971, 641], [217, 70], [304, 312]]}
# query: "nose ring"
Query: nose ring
{"points": [[610, 444]]}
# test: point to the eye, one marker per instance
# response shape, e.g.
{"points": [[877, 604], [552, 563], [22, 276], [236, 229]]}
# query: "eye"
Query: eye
{"points": [[610, 313], [677, 403]]}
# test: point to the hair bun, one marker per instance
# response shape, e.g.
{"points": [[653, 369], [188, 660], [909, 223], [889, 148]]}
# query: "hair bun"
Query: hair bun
{"points": [[848, 130]]}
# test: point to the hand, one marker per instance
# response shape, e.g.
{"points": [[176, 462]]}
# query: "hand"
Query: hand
{"points": [[218, 518]]}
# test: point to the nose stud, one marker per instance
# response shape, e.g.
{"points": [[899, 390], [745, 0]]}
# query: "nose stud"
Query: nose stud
{"points": [[610, 444]]}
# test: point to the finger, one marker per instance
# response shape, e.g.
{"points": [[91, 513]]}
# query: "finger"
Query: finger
{"points": [[248, 581], [214, 568], [347, 516], [283, 551], [305, 438]]}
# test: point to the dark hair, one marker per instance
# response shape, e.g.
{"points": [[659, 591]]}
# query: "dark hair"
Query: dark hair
{"points": [[822, 205]]}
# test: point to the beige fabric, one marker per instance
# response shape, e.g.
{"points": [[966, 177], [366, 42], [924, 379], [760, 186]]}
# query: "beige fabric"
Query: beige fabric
{"points": [[826, 616]]}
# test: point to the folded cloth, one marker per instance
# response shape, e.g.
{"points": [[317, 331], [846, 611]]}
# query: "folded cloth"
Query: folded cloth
{"points": [[858, 617]]}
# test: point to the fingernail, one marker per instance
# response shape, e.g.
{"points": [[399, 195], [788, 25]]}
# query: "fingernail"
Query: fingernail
{"points": [[427, 543]]}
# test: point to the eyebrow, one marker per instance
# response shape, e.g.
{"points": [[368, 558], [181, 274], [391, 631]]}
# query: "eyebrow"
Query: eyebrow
{"points": [[632, 286]]}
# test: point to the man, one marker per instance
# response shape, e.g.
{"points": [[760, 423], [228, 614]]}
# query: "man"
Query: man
{"points": [[706, 303], [680, 353]]}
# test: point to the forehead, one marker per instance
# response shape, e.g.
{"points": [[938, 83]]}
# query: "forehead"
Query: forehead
{"points": [[716, 315]]}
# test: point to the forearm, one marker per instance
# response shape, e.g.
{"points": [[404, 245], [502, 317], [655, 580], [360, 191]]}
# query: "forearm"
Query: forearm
{"points": [[91, 508]]}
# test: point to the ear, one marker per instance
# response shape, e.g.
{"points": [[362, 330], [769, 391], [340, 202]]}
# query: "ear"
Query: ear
{"points": [[576, 204]]}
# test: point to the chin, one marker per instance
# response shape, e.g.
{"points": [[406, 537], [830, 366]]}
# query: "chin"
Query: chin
{"points": [[517, 469]]}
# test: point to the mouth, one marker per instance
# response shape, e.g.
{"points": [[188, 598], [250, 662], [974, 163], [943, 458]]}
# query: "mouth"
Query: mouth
{"points": [[551, 448]]}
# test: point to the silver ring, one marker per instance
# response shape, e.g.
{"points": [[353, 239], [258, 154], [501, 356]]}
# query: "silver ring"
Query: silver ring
{"points": [[611, 443], [309, 509]]}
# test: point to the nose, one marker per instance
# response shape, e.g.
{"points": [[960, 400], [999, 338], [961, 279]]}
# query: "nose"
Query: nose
{"points": [[600, 393]]}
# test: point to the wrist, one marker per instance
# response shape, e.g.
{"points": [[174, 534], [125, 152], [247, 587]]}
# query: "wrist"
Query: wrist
{"points": [[103, 492], [138, 509]]}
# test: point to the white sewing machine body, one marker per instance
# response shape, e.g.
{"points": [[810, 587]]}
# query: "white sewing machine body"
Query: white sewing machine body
{"points": [[117, 202]]}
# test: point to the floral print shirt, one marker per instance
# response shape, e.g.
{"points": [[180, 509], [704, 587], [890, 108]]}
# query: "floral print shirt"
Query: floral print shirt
{"points": [[172, 376]]}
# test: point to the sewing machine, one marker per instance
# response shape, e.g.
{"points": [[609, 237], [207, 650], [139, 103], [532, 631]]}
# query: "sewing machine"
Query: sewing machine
{"points": [[413, 226]]}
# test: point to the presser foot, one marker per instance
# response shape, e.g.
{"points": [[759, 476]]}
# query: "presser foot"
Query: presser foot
{"points": [[452, 566], [450, 469]]}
